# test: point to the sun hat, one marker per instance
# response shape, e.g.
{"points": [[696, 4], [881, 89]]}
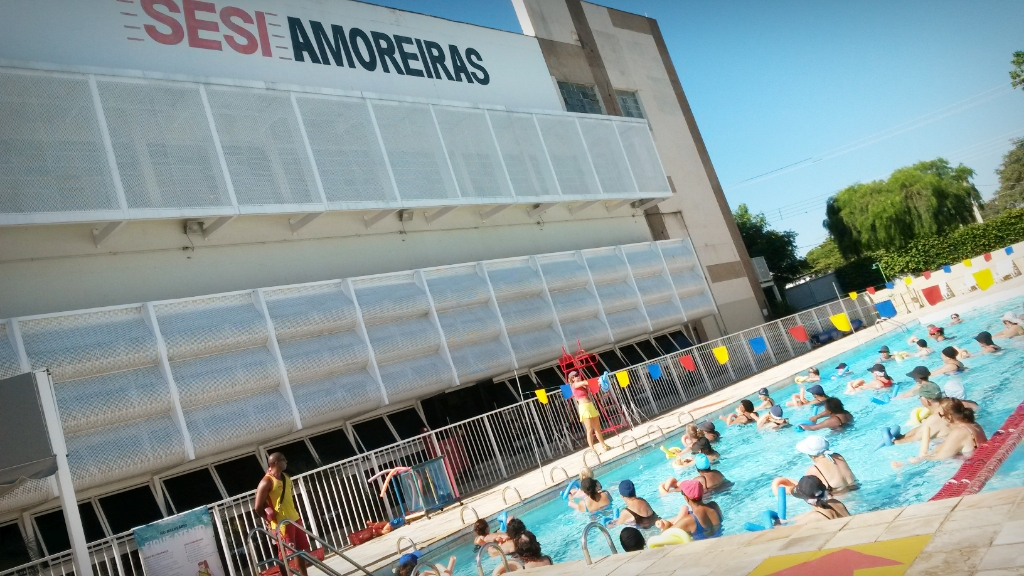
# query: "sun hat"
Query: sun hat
{"points": [[776, 411], [627, 489], [692, 489], [877, 368], [1011, 317], [812, 446], [841, 366], [929, 390], [919, 373], [701, 462]]}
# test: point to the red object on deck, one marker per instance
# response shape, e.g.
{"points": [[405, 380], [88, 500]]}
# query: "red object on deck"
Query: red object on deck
{"points": [[933, 294], [982, 465], [799, 333]]}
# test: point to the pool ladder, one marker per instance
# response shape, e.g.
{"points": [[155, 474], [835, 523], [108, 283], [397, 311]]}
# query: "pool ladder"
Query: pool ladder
{"points": [[607, 536], [290, 552], [480, 557], [505, 491]]}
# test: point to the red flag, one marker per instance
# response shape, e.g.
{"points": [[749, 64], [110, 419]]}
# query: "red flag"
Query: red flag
{"points": [[988, 256], [687, 362], [799, 333], [927, 274], [871, 290], [594, 384], [933, 294]]}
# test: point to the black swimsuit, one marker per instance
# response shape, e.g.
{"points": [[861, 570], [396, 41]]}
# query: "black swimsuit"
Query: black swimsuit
{"points": [[642, 521]]}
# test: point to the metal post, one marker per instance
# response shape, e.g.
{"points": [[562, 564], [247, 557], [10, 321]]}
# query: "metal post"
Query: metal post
{"points": [[768, 345]]}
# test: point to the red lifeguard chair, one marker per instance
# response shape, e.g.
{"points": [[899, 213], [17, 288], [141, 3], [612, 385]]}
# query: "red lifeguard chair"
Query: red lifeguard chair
{"points": [[607, 402]]}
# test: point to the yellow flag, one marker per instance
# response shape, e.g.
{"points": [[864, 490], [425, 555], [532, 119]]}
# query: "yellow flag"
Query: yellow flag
{"points": [[908, 280], [853, 295], [623, 378], [967, 263], [721, 354], [542, 395], [841, 321], [984, 278]]}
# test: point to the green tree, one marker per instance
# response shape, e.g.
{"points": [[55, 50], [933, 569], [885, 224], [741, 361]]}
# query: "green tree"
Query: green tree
{"points": [[916, 201], [824, 258], [1010, 194], [1017, 74], [778, 248]]}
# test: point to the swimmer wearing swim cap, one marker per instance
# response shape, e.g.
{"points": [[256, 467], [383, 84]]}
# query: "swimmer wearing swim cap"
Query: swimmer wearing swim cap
{"points": [[765, 398], [951, 363], [830, 467], [712, 480], [700, 519], [772, 419]]}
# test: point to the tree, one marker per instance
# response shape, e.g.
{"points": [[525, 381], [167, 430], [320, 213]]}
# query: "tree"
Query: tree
{"points": [[778, 248], [1017, 74], [824, 258], [925, 199], [1011, 181]]}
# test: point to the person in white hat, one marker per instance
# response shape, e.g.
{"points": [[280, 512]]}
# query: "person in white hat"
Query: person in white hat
{"points": [[1012, 326], [830, 467]]}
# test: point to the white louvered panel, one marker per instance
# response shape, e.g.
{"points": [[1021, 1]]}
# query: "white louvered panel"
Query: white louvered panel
{"points": [[28, 494], [473, 154], [10, 364], [523, 152], [310, 310], [643, 158], [568, 156], [337, 397], [627, 323], [414, 150], [609, 160], [238, 422], [110, 399], [105, 455], [699, 306]]}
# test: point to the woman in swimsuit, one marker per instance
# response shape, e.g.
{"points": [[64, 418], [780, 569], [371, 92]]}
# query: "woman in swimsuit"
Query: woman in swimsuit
{"points": [[637, 510], [528, 554], [1012, 326], [588, 413], [965, 435], [484, 535], [823, 506], [987, 346], [594, 499], [951, 363], [765, 398], [744, 414], [514, 528], [830, 467], [880, 380], [712, 480], [701, 520], [833, 416], [700, 446], [692, 435]]}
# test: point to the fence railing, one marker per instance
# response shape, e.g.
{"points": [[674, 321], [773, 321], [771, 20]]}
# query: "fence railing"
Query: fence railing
{"points": [[337, 500]]}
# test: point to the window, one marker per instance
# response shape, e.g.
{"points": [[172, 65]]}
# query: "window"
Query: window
{"points": [[54, 533], [612, 361], [681, 340], [333, 446], [629, 102], [13, 551], [192, 489], [580, 98], [632, 355], [300, 459], [240, 475], [648, 349], [407, 423], [90, 522], [666, 344], [374, 434], [549, 377], [131, 508]]}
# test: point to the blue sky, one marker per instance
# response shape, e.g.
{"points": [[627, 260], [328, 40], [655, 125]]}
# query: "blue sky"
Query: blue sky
{"points": [[859, 88]]}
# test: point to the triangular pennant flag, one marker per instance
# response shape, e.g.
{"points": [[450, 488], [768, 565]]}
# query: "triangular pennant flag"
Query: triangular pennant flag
{"points": [[987, 256], [890, 285], [654, 370], [853, 295], [623, 378], [594, 385], [758, 345], [721, 354], [967, 263], [688, 363], [927, 274], [566, 391], [886, 309], [841, 321], [1008, 250], [947, 268], [871, 290], [933, 294], [984, 278], [542, 395], [908, 280], [799, 333]]}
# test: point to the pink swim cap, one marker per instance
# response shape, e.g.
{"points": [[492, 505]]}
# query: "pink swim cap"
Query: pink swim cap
{"points": [[692, 489]]}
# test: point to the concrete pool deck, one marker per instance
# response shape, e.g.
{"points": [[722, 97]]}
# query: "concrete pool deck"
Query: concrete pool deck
{"points": [[447, 525]]}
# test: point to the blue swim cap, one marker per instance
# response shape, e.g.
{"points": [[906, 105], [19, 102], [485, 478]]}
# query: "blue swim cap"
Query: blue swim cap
{"points": [[627, 489], [410, 558], [701, 462], [776, 411]]}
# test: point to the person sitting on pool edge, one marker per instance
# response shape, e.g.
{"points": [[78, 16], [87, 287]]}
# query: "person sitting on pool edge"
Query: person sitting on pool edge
{"points": [[987, 346], [701, 446], [830, 467], [823, 507], [963, 438], [631, 539], [765, 398], [842, 370], [881, 380], [744, 414], [772, 419], [1012, 326], [833, 416], [818, 397], [528, 555], [951, 363], [637, 511], [700, 519]]}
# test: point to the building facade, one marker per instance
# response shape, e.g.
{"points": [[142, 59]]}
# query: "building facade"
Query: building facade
{"points": [[227, 229]]}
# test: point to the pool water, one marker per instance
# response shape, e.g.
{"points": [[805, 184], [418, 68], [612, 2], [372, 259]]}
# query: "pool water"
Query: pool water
{"points": [[751, 459]]}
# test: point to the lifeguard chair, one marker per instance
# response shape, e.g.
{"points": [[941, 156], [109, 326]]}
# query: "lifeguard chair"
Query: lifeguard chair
{"points": [[607, 402]]}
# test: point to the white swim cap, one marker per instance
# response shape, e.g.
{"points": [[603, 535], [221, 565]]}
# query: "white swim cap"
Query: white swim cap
{"points": [[813, 445]]}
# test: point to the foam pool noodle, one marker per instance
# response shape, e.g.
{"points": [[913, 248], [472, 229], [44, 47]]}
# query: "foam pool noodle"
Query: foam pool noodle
{"points": [[782, 502]]}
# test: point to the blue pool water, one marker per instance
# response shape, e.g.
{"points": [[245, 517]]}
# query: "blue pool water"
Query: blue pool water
{"points": [[751, 459]]}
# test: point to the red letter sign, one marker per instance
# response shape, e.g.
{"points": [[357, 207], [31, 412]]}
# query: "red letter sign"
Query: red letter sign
{"points": [[177, 33], [193, 24], [250, 44]]}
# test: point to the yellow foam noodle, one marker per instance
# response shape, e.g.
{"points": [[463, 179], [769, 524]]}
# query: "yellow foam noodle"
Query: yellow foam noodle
{"points": [[721, 354], [841, 321], [984, 278]]}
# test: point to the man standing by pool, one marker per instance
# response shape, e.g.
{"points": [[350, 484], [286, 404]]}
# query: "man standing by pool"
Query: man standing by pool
{"points": [[275, 503]]}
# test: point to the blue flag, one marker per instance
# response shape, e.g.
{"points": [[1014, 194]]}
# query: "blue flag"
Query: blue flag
{"points": [[890, 285], [1009, 250], [886, 309], [947, 269], [758, 345], [566, 391], [655, 371]]}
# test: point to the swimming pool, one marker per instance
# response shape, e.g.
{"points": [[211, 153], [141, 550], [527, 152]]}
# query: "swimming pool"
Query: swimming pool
{"points": [[751, 459]]}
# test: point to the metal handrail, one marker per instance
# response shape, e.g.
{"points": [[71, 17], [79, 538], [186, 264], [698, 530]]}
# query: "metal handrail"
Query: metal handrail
{"points": [[480, 559], [551, 474], [325, 544], [660, 431], [398, 544], [512, 488], [591, 451], [462, 513], [607, 537], [292, 553], [622, 444], [283, 568], [679, 417]]}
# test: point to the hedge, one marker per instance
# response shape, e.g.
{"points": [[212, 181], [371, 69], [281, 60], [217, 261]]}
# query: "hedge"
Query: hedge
{"points": [[933, 252]]}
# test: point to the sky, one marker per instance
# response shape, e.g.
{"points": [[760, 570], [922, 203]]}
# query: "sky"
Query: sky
{"points": [[798, 100]]}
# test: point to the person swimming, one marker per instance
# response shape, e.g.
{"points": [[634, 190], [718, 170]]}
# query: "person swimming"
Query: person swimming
{"points": [[712, 480], [701, 446], [830, 467], [408, 564], [772, 419], [528, 554], [842, 370], [813, 375], [818, 397], [744, 414], [765, 398], [823, 507], [922, 348], [987, 346], [951, 363], [700, 519], [514, 528], [637, 511], [963, 437], [954, 318], [884, 355], [708, 428], [880, 380], [484, 535], [929, 394], [833, 416], [1012, 326], [693, 433]]}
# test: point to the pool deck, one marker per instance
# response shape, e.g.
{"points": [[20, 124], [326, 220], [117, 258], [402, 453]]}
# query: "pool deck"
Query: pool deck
{"points": [[447, 525]]}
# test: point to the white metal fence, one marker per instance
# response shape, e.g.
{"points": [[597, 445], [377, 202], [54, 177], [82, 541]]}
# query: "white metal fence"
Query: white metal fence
{"points": [[336, 500]]}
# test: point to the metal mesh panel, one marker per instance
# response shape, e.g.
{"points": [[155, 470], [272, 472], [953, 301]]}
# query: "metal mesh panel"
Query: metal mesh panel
{"points": [[81, 345], [232, 423], [414, 150], [606, 267], [263, 147], [627, 323], [336, 397], [456, 288], [574, 305], [643, 260], [654, 289], [699, 306], [590, 332], [664, 314], [689, 283], [51, 152], [112, 398], [225, 376], [30, 493], [523, 153], [390, 301], [351, 167], [536, 346], [163, 145], [9, 363], [678, 254], [403, 339], [514, 281], [117, 452], [617, 297], [568, 155], [563, 272], [470, 325], [304, 311], [473, 154], [324, 356], [415, 377], [643, 157], [478, 361], [210, 326], [526, 314], [609, 161]]}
